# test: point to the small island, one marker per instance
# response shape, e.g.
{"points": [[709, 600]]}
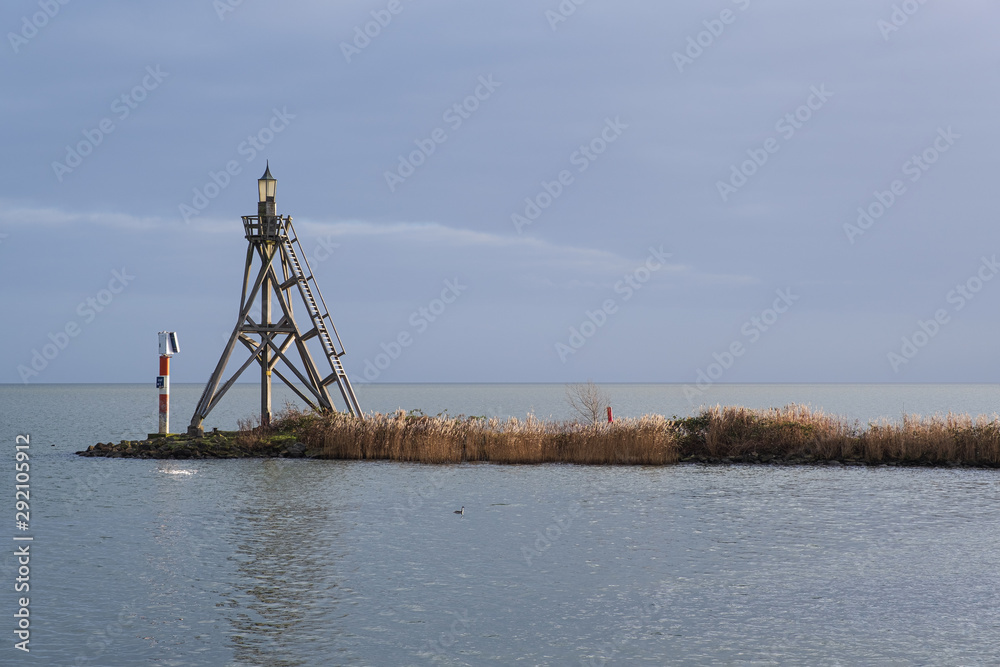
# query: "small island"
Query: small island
{"points": [[792, 435]]}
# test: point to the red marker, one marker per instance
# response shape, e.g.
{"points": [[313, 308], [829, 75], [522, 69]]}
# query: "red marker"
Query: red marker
{"points": [[168, 348]]}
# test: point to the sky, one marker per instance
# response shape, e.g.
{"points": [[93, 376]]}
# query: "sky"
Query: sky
{"points": [[683, 192]]}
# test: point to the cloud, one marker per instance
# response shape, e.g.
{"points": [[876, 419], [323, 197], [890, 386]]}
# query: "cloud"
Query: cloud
{"points": [[545, 262], [590, 267], [19, 216]]}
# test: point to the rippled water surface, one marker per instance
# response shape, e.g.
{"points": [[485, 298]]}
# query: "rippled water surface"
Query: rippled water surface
{"points": [[297, 562]]}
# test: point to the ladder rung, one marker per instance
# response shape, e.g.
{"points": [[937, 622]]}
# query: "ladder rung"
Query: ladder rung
{"points": [[317, 315], [332, 377]]}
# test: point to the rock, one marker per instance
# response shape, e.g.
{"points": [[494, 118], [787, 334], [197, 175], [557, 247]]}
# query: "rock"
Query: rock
{"points": [[297, 450]]}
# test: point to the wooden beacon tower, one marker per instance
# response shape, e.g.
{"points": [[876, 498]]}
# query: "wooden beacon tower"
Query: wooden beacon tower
{"points": [[273, 245]]}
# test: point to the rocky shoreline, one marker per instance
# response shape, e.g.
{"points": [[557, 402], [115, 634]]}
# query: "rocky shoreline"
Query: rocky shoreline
{"points": [[216, 445]]}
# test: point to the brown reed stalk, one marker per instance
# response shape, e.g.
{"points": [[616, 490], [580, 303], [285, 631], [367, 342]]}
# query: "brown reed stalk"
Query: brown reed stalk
{"points": [[251, 434], [794, 433]]}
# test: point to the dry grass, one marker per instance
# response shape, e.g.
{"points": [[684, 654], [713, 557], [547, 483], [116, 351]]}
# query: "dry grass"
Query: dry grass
{"points": [[250, 434], [402, 437], [797, 433], [937, 440], [791, 434]]}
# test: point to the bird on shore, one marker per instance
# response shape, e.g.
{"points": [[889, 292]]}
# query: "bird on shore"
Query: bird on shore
{"points": [[461, 511]]}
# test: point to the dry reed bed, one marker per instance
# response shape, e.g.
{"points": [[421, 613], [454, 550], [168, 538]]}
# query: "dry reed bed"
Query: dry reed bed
{"points": [[796, 432], [399, 437], [793, 434]]}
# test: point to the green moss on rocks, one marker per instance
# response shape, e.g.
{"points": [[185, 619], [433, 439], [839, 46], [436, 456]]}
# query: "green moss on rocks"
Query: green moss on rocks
{"points": [[216, 445]]}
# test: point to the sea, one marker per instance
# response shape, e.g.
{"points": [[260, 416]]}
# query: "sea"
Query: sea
{"points": [[290, 562]]}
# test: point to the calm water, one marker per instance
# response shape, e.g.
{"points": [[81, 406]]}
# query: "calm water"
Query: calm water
{"points": [[288, 562]]}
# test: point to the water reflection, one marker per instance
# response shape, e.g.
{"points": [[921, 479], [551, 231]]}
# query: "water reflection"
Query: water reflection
{"points": [[286, 543]]}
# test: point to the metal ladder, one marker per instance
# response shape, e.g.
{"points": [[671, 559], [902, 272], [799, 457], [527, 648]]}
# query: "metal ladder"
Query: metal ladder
{"points": [[320, 317]]}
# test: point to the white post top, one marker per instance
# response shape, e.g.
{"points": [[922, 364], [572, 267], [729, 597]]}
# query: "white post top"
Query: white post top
{"points": [[168, 344]]}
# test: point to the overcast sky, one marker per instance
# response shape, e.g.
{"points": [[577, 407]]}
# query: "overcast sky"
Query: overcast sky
{"points": [[624, 191]]}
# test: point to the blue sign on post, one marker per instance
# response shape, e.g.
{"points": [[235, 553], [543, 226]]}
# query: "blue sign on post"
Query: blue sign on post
{"points": [[159, 382]]}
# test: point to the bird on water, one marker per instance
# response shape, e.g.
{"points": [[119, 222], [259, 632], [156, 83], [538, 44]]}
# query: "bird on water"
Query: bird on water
{"points": [[461, 511]]}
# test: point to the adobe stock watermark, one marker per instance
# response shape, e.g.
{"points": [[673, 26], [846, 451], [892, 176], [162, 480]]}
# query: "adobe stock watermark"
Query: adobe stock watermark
{"points": [[594, 320], [958, 298], [787, 126], [88, 309], [248, 149], [581, 158], [322, 251], [751, 330], [915, 167], [223, 7], [420, 320], [363, 35], [562, 12], [106, 636], [560, 524], [454, 116], [122, 107], [95, 481], [458, 628], [899, 17], [633, 622], [30, 26], [714, 28]]}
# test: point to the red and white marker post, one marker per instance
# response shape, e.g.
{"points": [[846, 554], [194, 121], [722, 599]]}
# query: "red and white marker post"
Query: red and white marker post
{"points": [[610, 418], [168, 348]]}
